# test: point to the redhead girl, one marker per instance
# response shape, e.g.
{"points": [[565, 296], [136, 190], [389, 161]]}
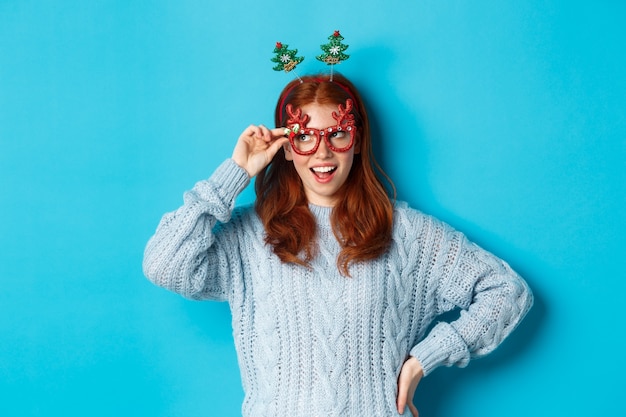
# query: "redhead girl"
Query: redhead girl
{"points": [[333, 285]]}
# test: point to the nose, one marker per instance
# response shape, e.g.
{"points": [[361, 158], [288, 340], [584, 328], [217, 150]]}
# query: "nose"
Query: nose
{"points": [[323, 151]]}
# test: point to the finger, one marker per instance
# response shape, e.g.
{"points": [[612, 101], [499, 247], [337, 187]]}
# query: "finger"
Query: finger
{"points": [[252, 133], [276, 145], [252, 130], [266, 135], [278, 132], [402, 394], [413, 409]]}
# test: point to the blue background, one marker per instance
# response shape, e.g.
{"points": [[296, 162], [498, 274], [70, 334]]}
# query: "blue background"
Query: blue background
{"points": [[505, 119]]}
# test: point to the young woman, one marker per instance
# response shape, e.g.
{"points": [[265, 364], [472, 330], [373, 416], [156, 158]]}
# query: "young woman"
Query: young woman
{"points": [[333, 286]]}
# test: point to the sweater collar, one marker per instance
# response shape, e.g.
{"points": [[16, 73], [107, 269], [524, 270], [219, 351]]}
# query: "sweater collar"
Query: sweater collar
{"points": [[321, 214]]}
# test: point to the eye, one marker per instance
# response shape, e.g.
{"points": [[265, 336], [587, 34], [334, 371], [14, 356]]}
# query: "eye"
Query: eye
{"points": [[340, 134], [304, 138]]}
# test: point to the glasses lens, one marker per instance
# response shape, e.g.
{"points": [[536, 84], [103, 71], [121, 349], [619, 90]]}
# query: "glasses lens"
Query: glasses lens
{"points": [[305, 142], [340, 138]]}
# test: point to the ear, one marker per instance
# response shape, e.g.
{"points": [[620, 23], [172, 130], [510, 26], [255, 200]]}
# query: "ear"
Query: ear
{"points": [[287, 149]]}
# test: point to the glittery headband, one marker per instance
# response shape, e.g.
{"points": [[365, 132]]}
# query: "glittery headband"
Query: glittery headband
{"points": [[315, 80]]}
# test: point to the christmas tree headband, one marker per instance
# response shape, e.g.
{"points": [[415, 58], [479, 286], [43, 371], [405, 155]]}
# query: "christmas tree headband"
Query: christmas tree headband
{"points": [[287, 60]]}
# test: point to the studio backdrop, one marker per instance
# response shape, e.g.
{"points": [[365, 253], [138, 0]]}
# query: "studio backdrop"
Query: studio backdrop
{"points": [[504, 119]]}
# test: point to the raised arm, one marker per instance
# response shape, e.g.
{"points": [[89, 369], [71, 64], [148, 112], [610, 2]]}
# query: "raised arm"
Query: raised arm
{"points": [[185, 255]]}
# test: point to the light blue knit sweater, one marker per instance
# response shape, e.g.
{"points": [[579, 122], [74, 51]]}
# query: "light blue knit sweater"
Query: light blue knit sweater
{"points": [[312, 342]]}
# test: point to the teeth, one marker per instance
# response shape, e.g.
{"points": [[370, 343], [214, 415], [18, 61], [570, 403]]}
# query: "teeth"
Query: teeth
{"points": [[323, 169]]}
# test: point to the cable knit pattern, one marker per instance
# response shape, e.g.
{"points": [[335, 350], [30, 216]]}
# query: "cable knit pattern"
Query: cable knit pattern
{"points": [[312, 342]]}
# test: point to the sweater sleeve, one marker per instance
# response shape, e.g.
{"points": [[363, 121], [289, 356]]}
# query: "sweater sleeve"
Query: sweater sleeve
{"points": [[492, 299], [184, 254]]}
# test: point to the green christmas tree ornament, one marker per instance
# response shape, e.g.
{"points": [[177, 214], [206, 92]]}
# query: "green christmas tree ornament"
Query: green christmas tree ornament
{"points": [[286, 59], [333, 50]]}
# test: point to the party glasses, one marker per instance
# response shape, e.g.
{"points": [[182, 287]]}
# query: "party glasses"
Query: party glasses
{"points": [[306, 140]]}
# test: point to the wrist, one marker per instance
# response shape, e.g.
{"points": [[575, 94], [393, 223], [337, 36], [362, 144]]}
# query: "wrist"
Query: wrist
{"points": [[416, 366], [242, 165]]}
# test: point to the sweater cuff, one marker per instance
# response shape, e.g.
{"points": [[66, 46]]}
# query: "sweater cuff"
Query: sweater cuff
{"points": [[442, 346], [221, 189], [229, 179]]}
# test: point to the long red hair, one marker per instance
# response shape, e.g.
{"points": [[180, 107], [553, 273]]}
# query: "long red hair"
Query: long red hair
{"points": [[361, 220]]}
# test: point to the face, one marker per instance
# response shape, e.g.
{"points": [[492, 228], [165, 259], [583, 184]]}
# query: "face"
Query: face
{"points": [[323, 172]]}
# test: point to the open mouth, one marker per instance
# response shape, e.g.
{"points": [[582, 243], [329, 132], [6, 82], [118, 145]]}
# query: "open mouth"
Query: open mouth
{"points": [[323, 172]]}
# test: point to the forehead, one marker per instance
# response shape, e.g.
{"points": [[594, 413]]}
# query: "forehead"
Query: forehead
{"points": [[320, 115]]}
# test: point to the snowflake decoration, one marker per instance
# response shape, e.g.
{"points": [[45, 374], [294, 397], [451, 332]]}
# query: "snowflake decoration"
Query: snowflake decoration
{"points": [[285, 58], [334, 50]]}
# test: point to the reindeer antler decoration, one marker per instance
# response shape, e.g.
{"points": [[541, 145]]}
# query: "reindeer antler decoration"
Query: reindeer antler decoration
{"points": [[344, 116], [296, 120]]}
